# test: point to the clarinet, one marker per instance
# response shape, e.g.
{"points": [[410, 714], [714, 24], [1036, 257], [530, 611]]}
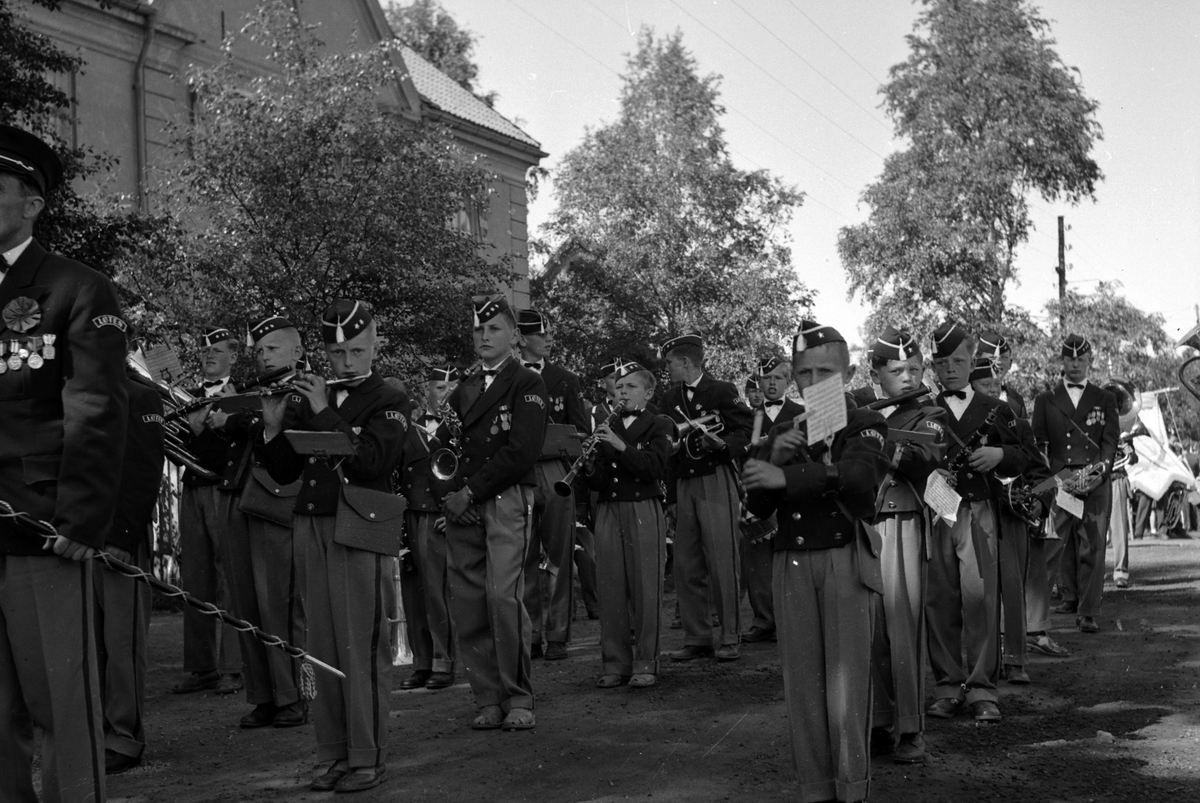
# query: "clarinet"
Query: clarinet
{"points": [[964, 454]]}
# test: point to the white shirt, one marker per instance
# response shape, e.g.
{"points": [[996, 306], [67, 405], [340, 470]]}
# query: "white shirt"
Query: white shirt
{"points": [[534, 365], [959, 406], [691, 386], [628, 420], [773, 410], [488, 379], [216, 390], [12, 255], [1075, 393]]}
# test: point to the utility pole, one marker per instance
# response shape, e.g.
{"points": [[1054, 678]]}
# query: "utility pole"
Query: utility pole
{"points": [[1062, 275]]}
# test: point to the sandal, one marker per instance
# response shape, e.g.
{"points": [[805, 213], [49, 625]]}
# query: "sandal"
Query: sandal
{"points": [[611, 681], [643, 680], [490, 718], [519, 719]]}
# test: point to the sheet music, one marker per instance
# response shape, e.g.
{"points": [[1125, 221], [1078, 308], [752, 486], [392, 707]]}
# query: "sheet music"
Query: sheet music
{"points": [[941, 498], [163, 364], [825, 404], [1071, 504]]}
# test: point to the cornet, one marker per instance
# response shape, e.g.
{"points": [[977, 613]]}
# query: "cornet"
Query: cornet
{"points": [[175, 434]]}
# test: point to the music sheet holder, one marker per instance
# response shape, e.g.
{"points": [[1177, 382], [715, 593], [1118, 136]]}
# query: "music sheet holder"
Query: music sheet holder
{"points": [[321, 444]]}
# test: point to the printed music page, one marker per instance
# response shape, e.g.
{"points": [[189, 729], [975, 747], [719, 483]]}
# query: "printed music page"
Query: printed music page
{"points": [[1071, 504], [941, 498], [825, 405]]}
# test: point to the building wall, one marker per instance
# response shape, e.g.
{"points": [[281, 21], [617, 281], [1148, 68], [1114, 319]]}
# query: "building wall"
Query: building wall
{"points": [[188, 34]]}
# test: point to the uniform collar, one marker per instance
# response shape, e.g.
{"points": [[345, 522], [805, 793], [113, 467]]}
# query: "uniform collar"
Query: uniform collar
{"points": [[13, 254]]}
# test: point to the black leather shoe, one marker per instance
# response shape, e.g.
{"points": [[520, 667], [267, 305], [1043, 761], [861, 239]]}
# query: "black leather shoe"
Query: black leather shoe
{"points": [[417, 680], [757, 634], [690, 652], [727, 652], [361, 778], [556, 651], [328, 780], [115, 763], [440, 680], [262, 716], [1087, 624], [198, 681], [291, 716], [229, 684]]}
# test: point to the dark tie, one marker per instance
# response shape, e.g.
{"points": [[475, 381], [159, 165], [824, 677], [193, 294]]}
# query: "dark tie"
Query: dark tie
{"points": [[1073, 385], [776, 403], [535, 366], [212, 383], [691, 392], [489, 373], [957, 394]]}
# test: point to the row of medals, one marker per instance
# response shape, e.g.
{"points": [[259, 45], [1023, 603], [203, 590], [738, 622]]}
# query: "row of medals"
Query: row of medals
{"points": [[34, 352]]}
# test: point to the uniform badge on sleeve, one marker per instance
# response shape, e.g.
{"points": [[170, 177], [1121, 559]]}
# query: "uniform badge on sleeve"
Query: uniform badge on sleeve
{"points": [[874, 435], [533, 398], [101, 321], [152, 418], [396, 415], [936, 427]]}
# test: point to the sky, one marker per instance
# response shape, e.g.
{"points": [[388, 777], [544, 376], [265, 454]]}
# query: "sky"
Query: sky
{"points": [[800, 81]]}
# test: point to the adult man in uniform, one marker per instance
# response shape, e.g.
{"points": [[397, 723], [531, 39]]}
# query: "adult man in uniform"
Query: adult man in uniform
{"points": [[349, 522], [122, 603], [825, 571], [773, 379], [266, 569], [208, 517], [1078, 425], [63, 404], [702, 497], [554, 527], [489, 519]]}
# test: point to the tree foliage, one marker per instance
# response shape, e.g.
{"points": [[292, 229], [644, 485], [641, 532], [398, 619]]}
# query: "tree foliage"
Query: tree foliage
{"points": [[990, 115], [429, 29], [97, 231], [657, 233], [295, 188]]}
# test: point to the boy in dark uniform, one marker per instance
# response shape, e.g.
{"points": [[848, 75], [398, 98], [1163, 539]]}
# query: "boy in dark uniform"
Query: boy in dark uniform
{"points": [[825, 571], [996, 346], [626, 471], [348, 589], [122, 603], [754, 392], [266, 569], [903, 523], [962, 601], [489, 518], [702, 497], [62, 403], [773, 379], [209, 519], [425, 589], [554, 526], [1078, 425]]}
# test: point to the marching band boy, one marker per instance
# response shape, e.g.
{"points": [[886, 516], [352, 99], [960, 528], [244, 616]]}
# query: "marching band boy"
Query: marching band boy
{"points": [[825, 572], [626, 472], [902, 521]]}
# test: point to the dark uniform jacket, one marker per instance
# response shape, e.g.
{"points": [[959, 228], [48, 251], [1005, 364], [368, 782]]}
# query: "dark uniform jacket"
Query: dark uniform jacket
{"points": [[637, 472], [263, 496], [374, 416], [1016, 401], [864, 395], [1093, 435], [807, 509], [564, 397], [226, 451], [62, 426], [710, 396], [503, 429], [970, 484], [415, 482], [905, 490], [787, 412], [142, 469]]}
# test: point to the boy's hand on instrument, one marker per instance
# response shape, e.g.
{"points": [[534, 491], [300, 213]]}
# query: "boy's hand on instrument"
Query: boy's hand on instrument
{"points": [[759, 475]]}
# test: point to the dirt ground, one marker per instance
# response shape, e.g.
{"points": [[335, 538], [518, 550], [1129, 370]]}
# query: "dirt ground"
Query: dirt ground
{"points": [[713, 732]]}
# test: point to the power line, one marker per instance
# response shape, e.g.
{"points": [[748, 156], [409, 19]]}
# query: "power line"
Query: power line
{"points": [[809, 64], [765, 72], [739, 113], [813, 22]]}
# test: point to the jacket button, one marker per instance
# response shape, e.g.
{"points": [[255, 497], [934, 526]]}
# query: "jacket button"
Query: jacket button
{"points": [[372, 515], [312, 459], [892, 484], [230, 463], [614, 465], [799, 540], [312, 483], [310, 506], [892, 505], [795, 517], [838, 537], [276, 490]]}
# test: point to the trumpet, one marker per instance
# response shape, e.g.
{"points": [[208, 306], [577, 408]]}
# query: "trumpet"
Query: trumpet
{"points": [[686, 431], [253, 389], [443, 463], [563, 486], [175, 434]]}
